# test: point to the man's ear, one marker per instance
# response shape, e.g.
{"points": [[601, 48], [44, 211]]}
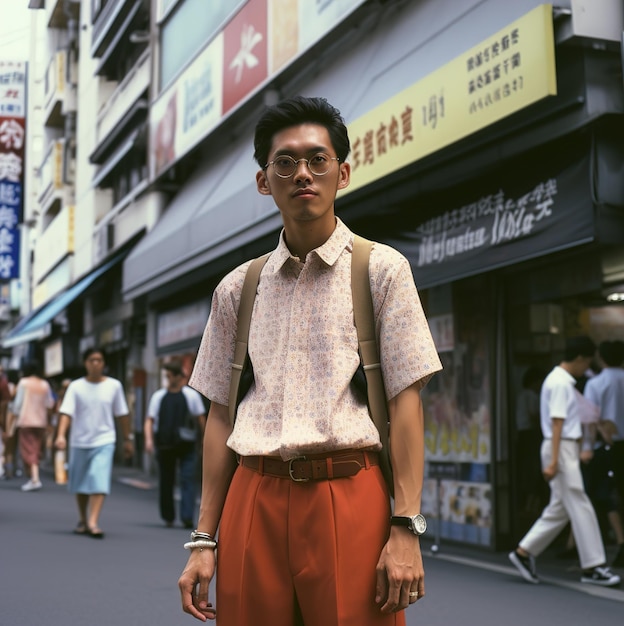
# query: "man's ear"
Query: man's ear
{"points": [[262, 183], [345, 175]]}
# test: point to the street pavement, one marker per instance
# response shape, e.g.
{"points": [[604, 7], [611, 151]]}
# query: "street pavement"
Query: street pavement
{"points": [[48, 574]]}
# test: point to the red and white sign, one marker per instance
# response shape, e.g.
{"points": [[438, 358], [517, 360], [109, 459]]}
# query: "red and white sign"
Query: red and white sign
{"points": [[245, 55]]}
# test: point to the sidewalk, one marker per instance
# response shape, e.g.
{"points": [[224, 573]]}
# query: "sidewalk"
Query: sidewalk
{"points": [[551, 569]]}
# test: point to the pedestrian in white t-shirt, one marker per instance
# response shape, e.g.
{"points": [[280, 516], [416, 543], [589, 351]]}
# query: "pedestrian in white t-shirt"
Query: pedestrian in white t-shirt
{"points": [[91, 405]]}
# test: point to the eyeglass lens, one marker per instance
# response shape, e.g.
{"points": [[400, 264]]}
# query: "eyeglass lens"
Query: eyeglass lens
{"points": [[318, 164]]}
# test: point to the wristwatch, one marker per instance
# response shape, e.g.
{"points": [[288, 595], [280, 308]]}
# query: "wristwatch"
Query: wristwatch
{"points": [[416, 523]]}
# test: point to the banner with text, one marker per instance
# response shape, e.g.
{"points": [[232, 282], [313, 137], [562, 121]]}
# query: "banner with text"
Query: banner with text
{"points": [[12, 149], [503, 74], [516, 220]]}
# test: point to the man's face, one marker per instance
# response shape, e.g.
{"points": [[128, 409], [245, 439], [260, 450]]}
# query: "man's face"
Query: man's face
{"points": [[94, 365], [173, 380], [581, 365], [303, 197]]}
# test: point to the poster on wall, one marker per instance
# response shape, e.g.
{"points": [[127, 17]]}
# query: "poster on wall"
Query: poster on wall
{"points": [[463, 512]]}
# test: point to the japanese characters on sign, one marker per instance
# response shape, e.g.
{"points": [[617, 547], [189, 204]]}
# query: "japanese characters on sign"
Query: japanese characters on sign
{"points": [[503, 74], [12, 139], [495, 71], [492, 220]]}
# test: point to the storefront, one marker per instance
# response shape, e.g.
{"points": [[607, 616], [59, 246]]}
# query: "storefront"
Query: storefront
{"points": [[492, 191]]}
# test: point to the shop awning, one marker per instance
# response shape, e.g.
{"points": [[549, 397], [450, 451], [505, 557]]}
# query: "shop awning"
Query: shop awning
{"points": [[217, 211], [36, 325]]}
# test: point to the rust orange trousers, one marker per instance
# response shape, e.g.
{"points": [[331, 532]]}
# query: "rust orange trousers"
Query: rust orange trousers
{"points": [[302, 553]]}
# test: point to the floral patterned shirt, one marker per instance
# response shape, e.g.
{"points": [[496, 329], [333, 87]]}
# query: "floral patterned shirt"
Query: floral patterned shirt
{"points": [[304, 350]]}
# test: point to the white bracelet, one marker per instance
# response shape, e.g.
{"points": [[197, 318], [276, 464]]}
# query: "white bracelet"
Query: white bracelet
{"points": [[201, 544]]}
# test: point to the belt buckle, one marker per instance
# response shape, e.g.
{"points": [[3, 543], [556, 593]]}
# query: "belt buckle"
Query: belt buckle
{"points": [[290, 470]]}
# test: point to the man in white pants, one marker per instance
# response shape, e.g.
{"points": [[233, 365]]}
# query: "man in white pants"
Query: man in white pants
{"points": [[560, 409]]}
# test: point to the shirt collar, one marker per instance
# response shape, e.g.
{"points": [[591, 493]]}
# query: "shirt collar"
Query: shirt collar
{"points": [[329, 252]]}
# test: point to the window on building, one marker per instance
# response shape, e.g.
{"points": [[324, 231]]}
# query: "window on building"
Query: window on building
{"points": [[182, 35]]}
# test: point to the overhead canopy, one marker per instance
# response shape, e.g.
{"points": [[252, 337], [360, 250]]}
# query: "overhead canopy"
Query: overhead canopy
{"points": [[36, 325]]}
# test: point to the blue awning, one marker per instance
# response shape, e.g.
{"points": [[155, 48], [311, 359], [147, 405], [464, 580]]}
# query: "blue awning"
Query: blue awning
{"points": [[36, 325]]}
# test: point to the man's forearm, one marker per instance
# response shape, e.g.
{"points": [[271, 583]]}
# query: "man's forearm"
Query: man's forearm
{"points": [[407, 450], [557, 427], [219, 463], [64, 422], [126, 426]]}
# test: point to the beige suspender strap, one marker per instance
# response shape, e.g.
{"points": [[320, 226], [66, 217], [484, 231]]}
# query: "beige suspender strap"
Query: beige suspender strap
{"points": [[248, 297], [364, 316]]}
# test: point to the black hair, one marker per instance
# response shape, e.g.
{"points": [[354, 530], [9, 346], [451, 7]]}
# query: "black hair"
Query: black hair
{"points": [[31, 368], [531, 376], [296, 111], [579, 346], [93, 350], [174, 367], [612, 353]]}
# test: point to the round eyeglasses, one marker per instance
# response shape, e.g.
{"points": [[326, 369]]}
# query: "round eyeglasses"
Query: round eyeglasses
{"points": [[285, 166]]}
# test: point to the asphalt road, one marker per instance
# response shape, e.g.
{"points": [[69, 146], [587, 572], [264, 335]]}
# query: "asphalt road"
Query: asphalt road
{"points": [[48, 575]]}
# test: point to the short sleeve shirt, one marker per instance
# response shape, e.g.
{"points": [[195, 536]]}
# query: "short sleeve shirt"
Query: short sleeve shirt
{"points": [[194, 403], [92, 408], [304, 350], [606, 390], [559, 400]]}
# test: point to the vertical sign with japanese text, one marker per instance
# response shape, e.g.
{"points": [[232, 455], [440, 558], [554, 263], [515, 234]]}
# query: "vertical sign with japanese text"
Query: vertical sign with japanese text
{"points": [[12, 149]]}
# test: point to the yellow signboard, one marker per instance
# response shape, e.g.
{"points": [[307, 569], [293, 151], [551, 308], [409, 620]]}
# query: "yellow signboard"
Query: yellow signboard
{"points": [[503, 74]]}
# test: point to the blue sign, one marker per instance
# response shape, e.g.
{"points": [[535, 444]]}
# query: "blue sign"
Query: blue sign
{"points": [[10, 213]]}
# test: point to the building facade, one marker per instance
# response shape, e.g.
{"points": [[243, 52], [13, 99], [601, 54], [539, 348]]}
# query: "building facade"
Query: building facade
{"points": [[486, 146]]}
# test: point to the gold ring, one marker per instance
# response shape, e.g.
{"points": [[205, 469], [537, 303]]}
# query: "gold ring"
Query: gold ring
{"points": [[413, 594]]}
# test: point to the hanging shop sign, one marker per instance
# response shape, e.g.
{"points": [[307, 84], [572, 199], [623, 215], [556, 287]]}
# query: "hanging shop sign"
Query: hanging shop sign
{"points": [[181, 324], [518, 220], [12, 148], [503, 74]]}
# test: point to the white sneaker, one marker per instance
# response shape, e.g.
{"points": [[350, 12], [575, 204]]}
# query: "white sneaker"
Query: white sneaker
{"points": [[602, 576], [32, 486]]}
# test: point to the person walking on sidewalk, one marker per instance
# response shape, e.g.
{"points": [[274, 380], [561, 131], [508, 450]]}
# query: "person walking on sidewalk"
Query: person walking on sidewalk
{"points": [[175, 421], [91, 405], [606, 469], [32, 407], [306, 533], [560, 416]]}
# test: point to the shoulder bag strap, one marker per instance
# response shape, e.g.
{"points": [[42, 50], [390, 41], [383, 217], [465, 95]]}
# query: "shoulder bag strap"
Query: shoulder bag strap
{"points": [[364, 316], [245, 308]]}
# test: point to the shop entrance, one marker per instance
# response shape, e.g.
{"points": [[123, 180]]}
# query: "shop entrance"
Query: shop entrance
{"points": [[544, 306]]}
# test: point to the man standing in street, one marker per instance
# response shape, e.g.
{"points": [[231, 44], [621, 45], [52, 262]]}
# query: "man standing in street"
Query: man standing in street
{"points": [[174, 423], [606, 391], [306, 533], [560, 415], [90, 406]]}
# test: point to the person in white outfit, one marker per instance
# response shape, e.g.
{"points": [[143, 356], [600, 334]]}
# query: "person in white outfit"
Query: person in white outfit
{"points": [[560, 415]]}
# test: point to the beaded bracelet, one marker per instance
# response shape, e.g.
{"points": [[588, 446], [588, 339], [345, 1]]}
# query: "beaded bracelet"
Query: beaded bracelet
{"points": [[201, 544]]}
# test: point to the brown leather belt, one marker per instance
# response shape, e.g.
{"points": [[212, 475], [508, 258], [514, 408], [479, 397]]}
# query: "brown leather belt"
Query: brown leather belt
{"points": [[313, 467]]}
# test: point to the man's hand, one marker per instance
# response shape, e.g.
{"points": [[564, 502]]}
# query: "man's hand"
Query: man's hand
{"points": [[60, 443], [550, 471], [128, 449], [586, 456], [194, 583], [400, 571]]}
